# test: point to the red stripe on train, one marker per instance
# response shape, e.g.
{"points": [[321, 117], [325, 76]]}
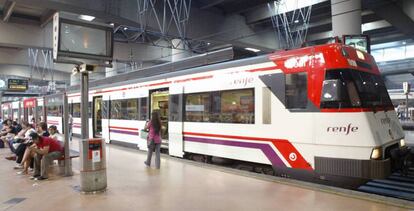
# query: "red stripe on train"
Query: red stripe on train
{"points": [[176, 81], [124, 128]]}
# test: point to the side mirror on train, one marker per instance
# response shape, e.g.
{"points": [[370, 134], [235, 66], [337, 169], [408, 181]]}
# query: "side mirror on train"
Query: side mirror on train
{"points": [[331, 90]]}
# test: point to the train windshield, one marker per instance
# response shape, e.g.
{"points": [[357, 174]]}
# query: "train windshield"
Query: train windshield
{"points": [[347, 88]]}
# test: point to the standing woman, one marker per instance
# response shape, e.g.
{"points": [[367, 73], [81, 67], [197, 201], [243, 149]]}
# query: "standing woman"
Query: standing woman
{"points": [[154, 139]]}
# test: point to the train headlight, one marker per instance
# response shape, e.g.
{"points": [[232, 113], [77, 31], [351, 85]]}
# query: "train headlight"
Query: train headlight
{"points": [[402, 143], [376, 153]]}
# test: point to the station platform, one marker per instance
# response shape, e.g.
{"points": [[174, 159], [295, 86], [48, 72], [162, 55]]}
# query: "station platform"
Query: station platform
{"points": [[178, 185]]}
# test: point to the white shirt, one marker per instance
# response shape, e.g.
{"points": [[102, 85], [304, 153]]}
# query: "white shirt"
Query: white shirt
{"points": [[28, 132]]}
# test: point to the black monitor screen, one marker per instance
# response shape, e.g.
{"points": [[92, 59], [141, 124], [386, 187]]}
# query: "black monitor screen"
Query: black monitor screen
{"points": [[360, 42]]}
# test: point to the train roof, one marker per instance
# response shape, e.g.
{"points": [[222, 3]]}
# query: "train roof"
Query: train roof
{"points": [[170, 69], [164, 71]]}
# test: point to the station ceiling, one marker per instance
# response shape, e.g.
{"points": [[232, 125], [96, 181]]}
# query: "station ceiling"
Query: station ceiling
{"points": [[388, 22]]}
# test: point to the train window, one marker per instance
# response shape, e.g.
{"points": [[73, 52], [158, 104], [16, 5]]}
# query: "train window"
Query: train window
{"points": [[143, 108], [90, 109], [40, 111], [116, 109], [267, 105], [105, 109], [215, 107], [237, 106], [234, 106], [358, 89], [131, 109], [70, 105], [175, 108], [53, 110], [296, 91], [76, 111], [197, 107]]}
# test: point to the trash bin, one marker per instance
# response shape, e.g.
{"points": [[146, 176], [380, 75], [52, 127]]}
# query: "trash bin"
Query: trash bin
{"points": [[93, 165]]}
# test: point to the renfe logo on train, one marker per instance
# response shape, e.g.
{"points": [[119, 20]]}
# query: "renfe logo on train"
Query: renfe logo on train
{"points": [[243, 81], [345, 129]]}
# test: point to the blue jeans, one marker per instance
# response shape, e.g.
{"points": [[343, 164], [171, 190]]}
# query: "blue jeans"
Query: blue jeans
{"points": [[12, 149]]}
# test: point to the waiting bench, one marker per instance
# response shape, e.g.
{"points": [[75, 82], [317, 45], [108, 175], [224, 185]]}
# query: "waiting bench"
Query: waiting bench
{"points": [[61, 161]]}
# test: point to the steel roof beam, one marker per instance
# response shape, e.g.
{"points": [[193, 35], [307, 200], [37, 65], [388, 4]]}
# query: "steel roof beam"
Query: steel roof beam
{"points": [[46, 17], [391, 12], [207, 4], [8, 9], [262, 12]]}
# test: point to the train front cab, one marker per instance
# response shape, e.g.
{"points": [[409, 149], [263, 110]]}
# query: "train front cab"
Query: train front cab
{"points": [[355, 125]]}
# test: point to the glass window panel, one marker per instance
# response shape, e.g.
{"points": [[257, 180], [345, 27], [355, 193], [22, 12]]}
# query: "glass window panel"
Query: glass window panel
{"points": [[131, 109], [105, 109], [76, 110], [378, 55], [409, 53], [116, 106], [143, 109], [296, 90], [197, 107], [396, 53], [176, 107], [52, 110], [237, 106]]}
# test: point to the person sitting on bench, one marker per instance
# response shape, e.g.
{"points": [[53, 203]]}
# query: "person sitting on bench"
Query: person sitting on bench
{"points": [[46, 150]]}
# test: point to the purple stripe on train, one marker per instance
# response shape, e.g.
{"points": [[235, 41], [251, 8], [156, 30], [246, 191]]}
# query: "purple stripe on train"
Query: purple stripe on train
{"points": [[266, 149], [124, 132]]}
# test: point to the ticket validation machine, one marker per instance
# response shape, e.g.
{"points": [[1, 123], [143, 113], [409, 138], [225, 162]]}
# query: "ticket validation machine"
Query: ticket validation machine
{"points": [[93, 165]]}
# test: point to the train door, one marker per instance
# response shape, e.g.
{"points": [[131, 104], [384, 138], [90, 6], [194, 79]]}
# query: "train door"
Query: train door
{"points": [[175, 124], [97, 116], [159, 102]]}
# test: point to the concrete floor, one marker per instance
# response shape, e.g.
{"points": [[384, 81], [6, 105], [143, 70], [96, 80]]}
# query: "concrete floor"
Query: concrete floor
{"points": [[177, 186]]}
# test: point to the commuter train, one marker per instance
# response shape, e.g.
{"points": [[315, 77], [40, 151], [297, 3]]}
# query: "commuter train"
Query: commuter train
{"points": [[320, 112]]}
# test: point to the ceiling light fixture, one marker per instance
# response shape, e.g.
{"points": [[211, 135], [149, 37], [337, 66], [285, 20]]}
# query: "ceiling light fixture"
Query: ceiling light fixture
{"points": [[296, 21], [86, 17], [252, 49], [125, 28]]}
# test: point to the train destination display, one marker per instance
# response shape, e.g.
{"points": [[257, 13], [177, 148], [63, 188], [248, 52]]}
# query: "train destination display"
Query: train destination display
{"points": [[18, 85]]}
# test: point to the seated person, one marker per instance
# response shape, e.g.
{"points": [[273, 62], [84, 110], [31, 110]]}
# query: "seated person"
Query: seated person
{"points": [[28, 154], [46, 150], [17, 140], [24, 140], [54, 133], [5, 129], [8, 133], [17, 127], [41, 129]]}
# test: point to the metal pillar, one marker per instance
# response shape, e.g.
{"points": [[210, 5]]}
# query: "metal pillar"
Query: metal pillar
{"points": [[92, 151], [406, 106], [1, 103], [44, 110], [19, 113], [346, 17], [35, 113], [84, 105], [68, 163]]}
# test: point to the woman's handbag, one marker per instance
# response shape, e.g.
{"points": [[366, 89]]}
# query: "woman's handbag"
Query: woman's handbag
{"points": [[151, 145], [144, 134]]}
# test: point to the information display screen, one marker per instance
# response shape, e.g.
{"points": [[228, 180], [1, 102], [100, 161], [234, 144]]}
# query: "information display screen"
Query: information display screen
{"points": [[19, 85], [79, 39], [360, 42]]}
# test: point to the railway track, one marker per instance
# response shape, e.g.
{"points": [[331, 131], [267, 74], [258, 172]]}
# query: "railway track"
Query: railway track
{"points": [[396, 185]]}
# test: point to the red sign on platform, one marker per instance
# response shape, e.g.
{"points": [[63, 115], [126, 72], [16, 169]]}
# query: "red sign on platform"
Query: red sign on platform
{"points": [[29, 103]]}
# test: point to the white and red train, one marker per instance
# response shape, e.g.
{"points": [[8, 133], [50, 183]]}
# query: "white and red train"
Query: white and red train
{"points": [[322, 112]]}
